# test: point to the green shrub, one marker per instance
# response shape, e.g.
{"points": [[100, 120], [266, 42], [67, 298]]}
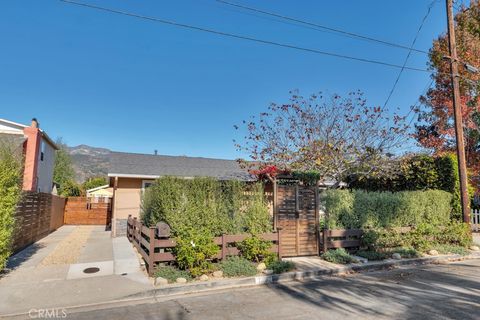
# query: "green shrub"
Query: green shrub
{"points": [[206, 203], [419, 172], [237, 267], [338, 205], [70, 189], [456, 233], [195, 250], [10, 194], [361, 209], [279, 266], [171, 273], [340, 256], [406, 252], [371, 255], [255, 249], [422, 238], [449, 248]]}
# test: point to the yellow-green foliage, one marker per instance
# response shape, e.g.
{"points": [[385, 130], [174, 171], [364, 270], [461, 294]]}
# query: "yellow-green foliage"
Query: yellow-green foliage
{"points": [[10, 192], [207, 204], [362, 209]]}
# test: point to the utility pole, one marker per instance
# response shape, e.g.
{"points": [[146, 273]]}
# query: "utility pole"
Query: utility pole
{"points": [[462, 166]]}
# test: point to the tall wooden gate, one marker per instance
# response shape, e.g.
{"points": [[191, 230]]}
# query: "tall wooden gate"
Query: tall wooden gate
{"points": [[297, 216]]}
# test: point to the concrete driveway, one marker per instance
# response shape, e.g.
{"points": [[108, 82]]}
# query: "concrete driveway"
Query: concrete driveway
{"points": [[51, 272], [447, 291]]}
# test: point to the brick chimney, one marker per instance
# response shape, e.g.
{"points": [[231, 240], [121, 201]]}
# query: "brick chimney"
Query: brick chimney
{"points": [[32, 148]]}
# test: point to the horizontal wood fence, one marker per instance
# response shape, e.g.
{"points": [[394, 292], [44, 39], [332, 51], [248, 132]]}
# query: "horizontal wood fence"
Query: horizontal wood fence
{"points": [[475, 220], [37, 214], [154, 250], [79, 210], [346, 238]]}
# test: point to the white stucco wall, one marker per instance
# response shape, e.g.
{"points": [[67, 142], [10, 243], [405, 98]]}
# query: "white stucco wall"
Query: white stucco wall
{"points": [[45, 167]]}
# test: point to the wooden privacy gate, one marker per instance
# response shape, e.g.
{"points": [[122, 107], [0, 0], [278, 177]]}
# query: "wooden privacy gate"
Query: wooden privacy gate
{"points": [[297, 217]]}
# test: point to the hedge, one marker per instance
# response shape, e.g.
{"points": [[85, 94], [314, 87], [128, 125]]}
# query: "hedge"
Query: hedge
{"points": [[10, 192], [419, 172], [214, 206], [362, 209]]}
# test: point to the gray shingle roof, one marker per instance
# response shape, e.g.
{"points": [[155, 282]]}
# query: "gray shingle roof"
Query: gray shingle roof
{"points": [[158, 165]]}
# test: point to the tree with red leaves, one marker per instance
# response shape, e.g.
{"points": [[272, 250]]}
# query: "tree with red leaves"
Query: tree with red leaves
{"points": [[435, 130], [328, 134]]}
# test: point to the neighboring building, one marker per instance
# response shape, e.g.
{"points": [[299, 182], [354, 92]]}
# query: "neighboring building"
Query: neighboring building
{"points": [[131, 173], [100, 194], [38, 151]]}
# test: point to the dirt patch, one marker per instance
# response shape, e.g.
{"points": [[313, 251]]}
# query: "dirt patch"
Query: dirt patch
{"points": [[69, 249]]}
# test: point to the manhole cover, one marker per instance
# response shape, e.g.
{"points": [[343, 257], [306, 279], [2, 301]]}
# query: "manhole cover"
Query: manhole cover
{"points": [[91, 270]]}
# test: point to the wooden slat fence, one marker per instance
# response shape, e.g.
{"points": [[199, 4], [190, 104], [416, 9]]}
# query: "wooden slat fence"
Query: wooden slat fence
{"points": [[475, 220], [160, 250], [79, 210], [37, 215], [346, 238]]}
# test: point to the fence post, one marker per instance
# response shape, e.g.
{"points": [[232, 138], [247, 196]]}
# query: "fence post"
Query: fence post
{"points": [[279, 243], [224, 247], [151, 251], [324, 239]]}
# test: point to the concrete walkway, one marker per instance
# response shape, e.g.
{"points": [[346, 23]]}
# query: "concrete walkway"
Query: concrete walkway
{"points": [[51, 271]]}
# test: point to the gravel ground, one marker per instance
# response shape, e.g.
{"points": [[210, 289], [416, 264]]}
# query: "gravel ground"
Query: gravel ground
{"points": [[68, 251]]}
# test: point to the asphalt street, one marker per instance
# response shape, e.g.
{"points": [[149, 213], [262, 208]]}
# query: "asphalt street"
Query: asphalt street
{"points": [[443, 291]]}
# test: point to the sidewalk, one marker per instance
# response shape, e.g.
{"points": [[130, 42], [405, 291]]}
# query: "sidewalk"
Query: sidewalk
{"points": [[51, 273], [37, 282]]}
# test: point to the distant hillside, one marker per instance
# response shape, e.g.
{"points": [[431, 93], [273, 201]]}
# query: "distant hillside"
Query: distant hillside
{"points": [[89, 161]]}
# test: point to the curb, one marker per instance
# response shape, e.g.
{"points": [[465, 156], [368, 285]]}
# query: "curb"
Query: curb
{"points": [[197, 287], [176, 290]]}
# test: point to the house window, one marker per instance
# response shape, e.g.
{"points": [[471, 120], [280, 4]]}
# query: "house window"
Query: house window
{"points": [[146, 184], [42, 150]]}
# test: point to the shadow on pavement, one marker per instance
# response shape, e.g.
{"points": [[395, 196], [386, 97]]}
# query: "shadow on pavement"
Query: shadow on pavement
{"points": [[428, 292], [20, 257]]}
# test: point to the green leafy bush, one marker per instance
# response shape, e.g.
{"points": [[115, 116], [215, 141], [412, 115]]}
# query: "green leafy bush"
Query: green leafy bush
{"points": [[237, 267], [10, 194], [195, 250], [70, 189], [171, 273], [456, 233], [279, 266], [406, 252], [422, 238], [361, 209], [419, 172], [340, 256], [94, 182], [206, 203], [448, 248], [371, 255], [255, 249]]}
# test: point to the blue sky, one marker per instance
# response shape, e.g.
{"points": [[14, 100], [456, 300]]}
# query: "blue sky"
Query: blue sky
{"points": [[133, 85]]}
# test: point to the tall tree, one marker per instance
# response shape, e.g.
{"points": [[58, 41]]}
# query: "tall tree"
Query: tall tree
{"points": [[328, 134], [435, 130], [63, 170]]}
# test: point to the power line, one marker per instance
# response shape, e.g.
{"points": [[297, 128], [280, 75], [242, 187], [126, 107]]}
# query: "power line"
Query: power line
{"points": [[236, 36], [316, 25], [410, 51]]}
